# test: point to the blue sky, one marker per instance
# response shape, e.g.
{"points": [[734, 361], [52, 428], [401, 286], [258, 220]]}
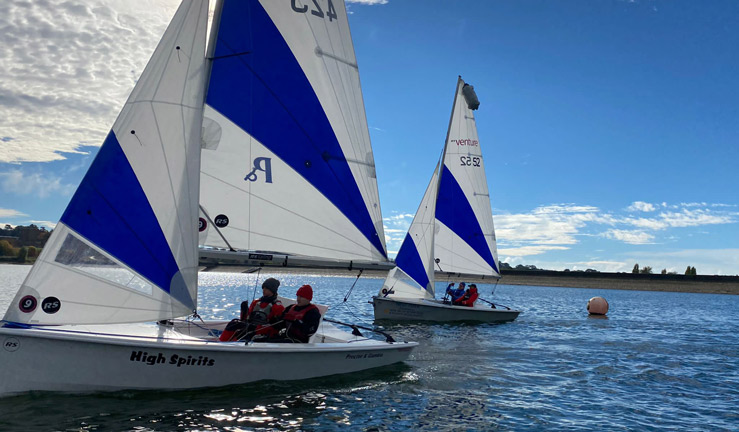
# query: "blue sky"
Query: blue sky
{"points": [[610, 128]]}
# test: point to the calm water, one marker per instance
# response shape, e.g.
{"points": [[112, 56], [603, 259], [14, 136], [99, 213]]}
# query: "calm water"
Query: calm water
{"points": [[660, 361]]}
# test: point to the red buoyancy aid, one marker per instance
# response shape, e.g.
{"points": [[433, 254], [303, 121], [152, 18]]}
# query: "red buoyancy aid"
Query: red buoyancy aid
{"points": [[262, 313], [469, 298], [293, 316]]}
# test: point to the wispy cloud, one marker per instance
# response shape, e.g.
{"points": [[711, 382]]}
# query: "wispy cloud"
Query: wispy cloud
{"points": [[640, 206], [630, 237], [20, 183], [11, 213]]}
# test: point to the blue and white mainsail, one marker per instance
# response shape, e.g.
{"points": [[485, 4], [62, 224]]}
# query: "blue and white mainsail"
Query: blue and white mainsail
{"points": [[453, 228], [287, 164], [125, 249]]}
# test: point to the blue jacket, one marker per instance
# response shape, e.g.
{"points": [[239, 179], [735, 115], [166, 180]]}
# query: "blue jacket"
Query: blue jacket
{"points": [[456, 293]]}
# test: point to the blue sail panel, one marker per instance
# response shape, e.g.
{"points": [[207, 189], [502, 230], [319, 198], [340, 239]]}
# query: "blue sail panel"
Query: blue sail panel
{"points": [[111, 210], [257, 83], [409, 260], [454, 210]]}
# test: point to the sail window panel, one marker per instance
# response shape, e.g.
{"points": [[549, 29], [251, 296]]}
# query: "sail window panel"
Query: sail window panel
{"points": [[399, 285], [79, 255]]}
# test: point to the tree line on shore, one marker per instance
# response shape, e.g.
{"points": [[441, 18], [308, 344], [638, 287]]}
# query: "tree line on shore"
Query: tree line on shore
{"points": [[22, 243], [689, 271]]}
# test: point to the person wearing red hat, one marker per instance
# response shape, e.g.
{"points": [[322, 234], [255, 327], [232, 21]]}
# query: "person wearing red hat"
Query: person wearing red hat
{"points": [[258, 319], [300, 320], [469, 297]]}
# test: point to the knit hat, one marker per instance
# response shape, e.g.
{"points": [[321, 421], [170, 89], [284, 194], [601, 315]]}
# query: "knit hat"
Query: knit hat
{"points": [[271, 284], [306, 291]]}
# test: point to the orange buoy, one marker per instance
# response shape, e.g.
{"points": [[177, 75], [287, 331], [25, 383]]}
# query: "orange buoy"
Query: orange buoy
{"points": [[597, 306]]}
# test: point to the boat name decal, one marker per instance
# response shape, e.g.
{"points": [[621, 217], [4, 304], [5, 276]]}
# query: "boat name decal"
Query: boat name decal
{"points": [[263, 164], [261, 257], [466, 142], [363, 356], [174, 359]]}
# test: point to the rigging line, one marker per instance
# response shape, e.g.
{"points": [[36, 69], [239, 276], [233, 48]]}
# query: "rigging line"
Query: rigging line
{"points": [[346, 297], [256, 284], [217, 230]]}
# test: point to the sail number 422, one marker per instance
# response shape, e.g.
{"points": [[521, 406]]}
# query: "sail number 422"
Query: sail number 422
{"points": [[469, 161], [317, 10]]}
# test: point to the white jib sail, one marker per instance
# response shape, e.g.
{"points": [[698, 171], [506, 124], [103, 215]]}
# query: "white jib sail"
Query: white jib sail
{"points": [[125, 249], [413, 276], [465, 238], [287, 164]]}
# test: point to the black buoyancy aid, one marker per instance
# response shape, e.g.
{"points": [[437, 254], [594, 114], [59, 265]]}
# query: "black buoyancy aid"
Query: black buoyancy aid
{"points": [[261, 310]]}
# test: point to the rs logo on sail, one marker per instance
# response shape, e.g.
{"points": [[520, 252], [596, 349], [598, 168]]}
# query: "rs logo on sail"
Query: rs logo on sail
{"points": [[263, 164]]}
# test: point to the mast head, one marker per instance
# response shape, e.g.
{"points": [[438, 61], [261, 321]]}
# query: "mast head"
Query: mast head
{"points": [[470, 97]]}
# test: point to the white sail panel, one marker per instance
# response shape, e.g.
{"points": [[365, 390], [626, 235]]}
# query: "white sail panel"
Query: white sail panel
{"points": [[397, 284], [276, 211], [66, 283], [416, 255], [464, 202], [330, 64], [128, 236], [460, 258], [300, 100]]}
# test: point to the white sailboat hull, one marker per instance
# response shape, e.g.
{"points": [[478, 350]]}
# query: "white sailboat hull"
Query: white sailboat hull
{"points": [[409, 309], [81, 359]]}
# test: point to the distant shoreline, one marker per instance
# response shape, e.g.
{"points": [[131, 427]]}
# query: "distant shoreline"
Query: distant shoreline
{"points": [[622, 281]]}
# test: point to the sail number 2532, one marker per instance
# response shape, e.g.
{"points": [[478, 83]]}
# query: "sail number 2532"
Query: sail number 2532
{"points": [[469, 161], [316, 9]]}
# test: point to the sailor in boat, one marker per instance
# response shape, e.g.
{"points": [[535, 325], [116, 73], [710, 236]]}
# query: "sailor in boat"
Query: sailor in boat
{"points": [[455, 293], [300, 320], [256, 322], [469, 297]]}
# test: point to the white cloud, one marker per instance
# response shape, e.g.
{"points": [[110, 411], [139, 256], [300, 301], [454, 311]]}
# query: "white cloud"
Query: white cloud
{"points": [[17, 182], [47, 224], [547, 225], [66, 67], [630, 237], [641, 207], [10, 213]]}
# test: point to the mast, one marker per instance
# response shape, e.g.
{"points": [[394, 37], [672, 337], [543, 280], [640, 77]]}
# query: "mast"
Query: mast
{"points": [[460, 82]]}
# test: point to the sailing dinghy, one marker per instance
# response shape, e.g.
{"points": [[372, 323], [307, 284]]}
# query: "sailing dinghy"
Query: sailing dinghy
{"points": [[98, 310], [452, 229]]}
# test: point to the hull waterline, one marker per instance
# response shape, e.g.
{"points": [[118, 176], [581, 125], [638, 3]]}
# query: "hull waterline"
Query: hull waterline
{"points": [[434, 310]]}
